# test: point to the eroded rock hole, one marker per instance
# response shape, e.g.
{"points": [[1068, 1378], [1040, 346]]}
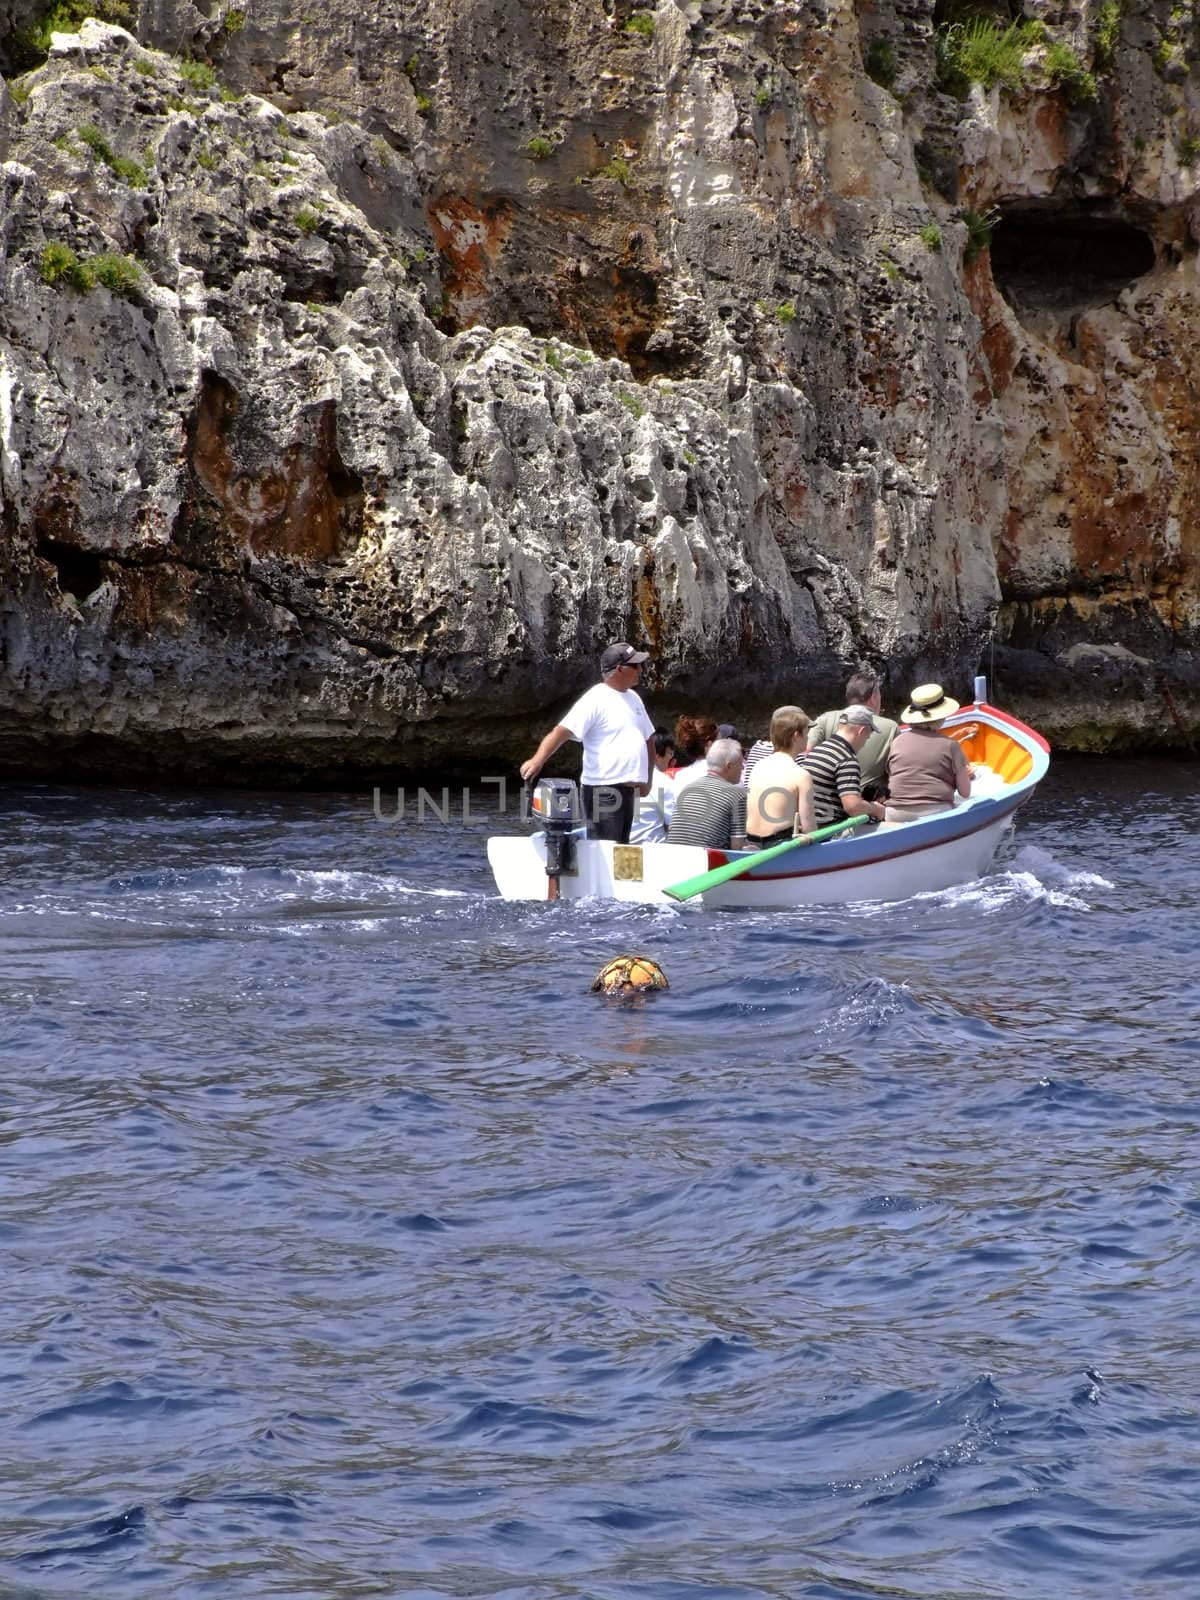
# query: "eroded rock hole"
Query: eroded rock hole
{"points": [[79, 572], [1053, 260]]}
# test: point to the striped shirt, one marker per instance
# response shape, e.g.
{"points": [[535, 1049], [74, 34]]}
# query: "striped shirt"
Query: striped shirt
{"points": [[710, 813], [872, 758], [834, 770]]}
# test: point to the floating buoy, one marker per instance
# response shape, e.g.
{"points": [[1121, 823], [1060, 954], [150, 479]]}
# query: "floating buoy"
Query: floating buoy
{"points": [[629, 975]]}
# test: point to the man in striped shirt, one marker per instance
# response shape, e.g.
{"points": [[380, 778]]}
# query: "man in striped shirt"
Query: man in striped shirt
{"points": [[711, 812], [836, 776]]}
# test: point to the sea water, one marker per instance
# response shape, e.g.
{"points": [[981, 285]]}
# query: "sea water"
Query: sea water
{"points": [[352, 1248]]}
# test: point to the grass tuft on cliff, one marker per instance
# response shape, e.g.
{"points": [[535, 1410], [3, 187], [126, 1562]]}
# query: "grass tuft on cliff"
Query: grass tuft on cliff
{"points": [[61, 268], [619, 170], [980, 226], [120, 275], [124, 167], [1065, 71], [198, 73], [980, 51], [1108, 32]]}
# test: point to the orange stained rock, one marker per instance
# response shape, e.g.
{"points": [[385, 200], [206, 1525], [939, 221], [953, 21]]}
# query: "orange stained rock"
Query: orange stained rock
{"points": [[305, 503], [996, 352], [649, 604], [470, 236]]}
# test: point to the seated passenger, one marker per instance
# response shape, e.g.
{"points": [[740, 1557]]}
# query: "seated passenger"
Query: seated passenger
{"points": [[862, 690], [780, 790], [711, 812], [926, 768], [693, 735], [653, 811], [833, 767]]}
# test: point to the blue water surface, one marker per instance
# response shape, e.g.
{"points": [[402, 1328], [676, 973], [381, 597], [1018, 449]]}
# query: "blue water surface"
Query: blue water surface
{"points": [[351, 1248]]}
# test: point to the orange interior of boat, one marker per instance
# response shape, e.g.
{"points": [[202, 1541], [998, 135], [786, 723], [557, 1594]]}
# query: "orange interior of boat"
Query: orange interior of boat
{"points": [[992, 748]]}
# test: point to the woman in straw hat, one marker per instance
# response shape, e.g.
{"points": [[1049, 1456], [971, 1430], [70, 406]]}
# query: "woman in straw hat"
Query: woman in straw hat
{"points": [[926, 768]]}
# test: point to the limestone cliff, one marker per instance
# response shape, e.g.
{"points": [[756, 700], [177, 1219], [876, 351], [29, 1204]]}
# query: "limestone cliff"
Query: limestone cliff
{"points": [[361, 374]]}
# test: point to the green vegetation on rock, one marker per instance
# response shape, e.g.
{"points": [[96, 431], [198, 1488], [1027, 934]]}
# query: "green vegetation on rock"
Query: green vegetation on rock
{"points": [[880, 61], [198, 73], [91, 136], [1108, 32], [61, 268], [979, 50], [619, 170], [30, 46], [120, 275], [980, 226], [123, 167], [641, 22], [1065, 71]]}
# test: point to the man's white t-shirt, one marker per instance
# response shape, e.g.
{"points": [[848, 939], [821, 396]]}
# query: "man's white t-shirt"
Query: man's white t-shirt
{"points": [[613, 729]]}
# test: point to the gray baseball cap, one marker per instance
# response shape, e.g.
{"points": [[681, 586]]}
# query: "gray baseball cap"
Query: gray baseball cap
{"points": [[857, 717]]}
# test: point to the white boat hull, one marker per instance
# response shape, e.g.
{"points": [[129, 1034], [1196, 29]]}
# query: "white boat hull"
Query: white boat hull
{"points": [[519, 868]]}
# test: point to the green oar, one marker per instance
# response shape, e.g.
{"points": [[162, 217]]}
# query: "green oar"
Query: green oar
{"points": [[734, 869]]}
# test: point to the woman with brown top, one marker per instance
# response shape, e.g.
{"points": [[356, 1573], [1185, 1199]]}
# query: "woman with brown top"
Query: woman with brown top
{"points": [[926, 768]]}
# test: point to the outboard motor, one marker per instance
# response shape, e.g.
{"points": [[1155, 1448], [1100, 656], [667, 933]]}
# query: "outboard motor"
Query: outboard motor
{"points": [[555, 804]]}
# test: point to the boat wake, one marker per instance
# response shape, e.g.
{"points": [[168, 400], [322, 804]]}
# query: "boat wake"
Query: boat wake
{"points": [[1033, 875]]}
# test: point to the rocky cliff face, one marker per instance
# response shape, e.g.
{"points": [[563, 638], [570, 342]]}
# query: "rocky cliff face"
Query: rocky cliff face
{"points": [[361, 375]]}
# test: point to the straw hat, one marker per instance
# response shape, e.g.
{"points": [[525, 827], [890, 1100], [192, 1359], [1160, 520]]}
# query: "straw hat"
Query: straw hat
{"points": [[929, 703]]}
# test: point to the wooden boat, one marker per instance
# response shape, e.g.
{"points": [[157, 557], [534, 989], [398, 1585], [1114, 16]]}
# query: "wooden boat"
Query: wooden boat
{"points": [[889, 862]]}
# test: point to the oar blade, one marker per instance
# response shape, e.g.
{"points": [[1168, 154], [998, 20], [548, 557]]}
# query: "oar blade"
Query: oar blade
{"points": [[690, 887]]}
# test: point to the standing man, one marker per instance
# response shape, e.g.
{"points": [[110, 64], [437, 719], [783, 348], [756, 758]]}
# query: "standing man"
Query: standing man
{"points": [[610, 722], [833, 767], [862, 690]]}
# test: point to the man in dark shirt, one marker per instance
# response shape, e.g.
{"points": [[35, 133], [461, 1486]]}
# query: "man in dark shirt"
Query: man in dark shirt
{"points": [[833, 767], [711, 811]]}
